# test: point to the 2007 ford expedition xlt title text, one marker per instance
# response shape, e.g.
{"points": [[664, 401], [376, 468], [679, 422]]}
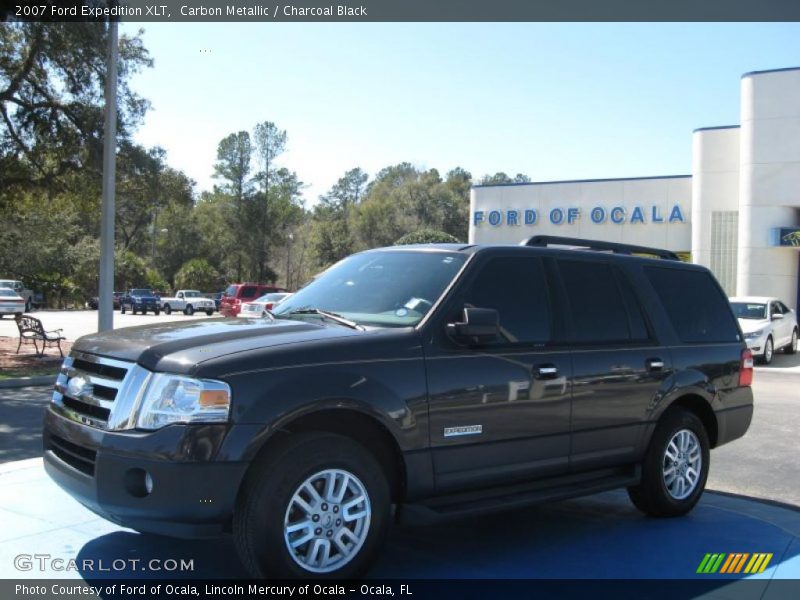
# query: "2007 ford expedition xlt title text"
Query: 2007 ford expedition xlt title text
{"points": [[445, 380]]}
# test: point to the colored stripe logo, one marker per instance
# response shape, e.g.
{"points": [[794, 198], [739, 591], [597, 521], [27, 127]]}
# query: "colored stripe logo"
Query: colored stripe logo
{"points": [[734, 562]]}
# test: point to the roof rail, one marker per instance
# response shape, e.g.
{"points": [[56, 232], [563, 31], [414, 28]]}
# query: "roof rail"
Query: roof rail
{"points": [[554, 240]]}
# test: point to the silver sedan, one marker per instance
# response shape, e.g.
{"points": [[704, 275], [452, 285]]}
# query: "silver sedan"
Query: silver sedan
{"points": [[768, 325], [11, 303]]}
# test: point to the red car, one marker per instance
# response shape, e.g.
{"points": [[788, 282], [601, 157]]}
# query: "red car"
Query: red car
{"points": [[231, 302]]}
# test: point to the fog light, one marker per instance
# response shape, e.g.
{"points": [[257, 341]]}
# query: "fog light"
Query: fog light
{"points": [[138, 483]]}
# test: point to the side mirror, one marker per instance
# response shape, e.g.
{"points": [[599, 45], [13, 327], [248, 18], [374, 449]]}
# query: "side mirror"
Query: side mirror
{"points": [[480, 326], [777, 316]]}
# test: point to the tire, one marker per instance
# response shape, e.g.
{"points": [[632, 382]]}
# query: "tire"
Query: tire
{"points": [[189, 310], [266, 504], [652, 496], [792, 347], [157, 311], [28, 305], [122, 308], [769, 351], [209, 312], [167, 309]]}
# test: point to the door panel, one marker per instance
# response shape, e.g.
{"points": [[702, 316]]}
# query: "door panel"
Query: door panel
{"points": [[499, 412], [523, 416], [613, 391]]}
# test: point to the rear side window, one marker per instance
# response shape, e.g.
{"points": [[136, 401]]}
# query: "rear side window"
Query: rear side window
{"points": [[600, 310], [698, 309], [248, 291], [516, 288]]}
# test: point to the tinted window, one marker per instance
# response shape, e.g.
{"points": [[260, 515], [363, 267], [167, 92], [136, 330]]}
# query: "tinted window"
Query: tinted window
{"points": [[784, 308], [231, 291], [516, 288], [695, 304], [248, 291], [596, 304]]}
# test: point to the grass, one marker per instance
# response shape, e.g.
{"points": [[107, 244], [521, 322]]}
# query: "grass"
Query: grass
{"points": [[30, 372]]}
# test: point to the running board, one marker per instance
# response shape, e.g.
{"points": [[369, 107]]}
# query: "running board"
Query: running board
{"points": [[472, 503]]}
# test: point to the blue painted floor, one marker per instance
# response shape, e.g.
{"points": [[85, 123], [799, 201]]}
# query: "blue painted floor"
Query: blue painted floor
{"points": [[600, 536]]}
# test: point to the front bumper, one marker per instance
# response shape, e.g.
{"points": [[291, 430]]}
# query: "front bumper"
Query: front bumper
{"points": [[756, 345], [193, 491]]}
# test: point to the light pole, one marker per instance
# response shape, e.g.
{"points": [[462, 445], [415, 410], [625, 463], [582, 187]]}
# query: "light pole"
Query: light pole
{"points": [[153, 249], [105, 310], [289, 258]]}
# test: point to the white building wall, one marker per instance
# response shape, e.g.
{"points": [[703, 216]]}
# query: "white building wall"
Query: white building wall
{"points": [[769, 194], [663, 193], [715, 184]]}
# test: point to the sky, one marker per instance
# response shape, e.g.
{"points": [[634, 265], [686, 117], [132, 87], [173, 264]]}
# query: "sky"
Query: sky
{"points": [[553, 101]]}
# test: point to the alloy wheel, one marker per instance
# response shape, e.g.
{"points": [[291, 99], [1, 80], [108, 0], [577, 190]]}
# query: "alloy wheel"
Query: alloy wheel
{"points": [[682, 464], [327, 521]]}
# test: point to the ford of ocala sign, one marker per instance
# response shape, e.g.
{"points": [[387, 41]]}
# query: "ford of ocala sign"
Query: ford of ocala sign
{"points": [[598, 215]]}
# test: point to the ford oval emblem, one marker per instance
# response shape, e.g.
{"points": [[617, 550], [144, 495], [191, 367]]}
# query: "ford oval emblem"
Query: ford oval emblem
{"points": [[77, 386]]}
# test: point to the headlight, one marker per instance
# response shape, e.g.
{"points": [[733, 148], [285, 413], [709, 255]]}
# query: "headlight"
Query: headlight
{"points": [[176, 399], [753, 334]]}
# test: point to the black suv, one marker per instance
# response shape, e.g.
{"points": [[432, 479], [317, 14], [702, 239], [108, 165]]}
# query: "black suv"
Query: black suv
{"points": [[446, 380]]}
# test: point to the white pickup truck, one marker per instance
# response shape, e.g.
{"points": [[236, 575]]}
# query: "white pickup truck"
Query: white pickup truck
{"points": [[188, 301]]}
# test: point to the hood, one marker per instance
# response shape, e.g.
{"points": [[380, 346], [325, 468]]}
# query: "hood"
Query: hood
{"points": [[749, 325], [180, 346]]}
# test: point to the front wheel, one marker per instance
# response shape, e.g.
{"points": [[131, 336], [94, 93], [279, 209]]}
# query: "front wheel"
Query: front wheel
{"points": [[318, 506], [28, 305], [209, 312], [122, 309], [675, 466], [769, 351], [792, 347]]}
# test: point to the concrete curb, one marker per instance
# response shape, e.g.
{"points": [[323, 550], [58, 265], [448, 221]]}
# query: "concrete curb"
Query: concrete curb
{"points": [[21, 382]]}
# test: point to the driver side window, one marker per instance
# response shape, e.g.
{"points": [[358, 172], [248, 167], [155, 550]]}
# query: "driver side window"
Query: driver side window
{"points": [[516, 288]]}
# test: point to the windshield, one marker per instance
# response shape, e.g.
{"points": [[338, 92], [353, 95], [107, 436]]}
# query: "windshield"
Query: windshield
{"points": [[191, 294], [747, 310], [386, 288], [142, 292]]}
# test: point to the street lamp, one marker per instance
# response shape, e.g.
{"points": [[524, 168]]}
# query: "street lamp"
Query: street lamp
{"points": [[289, 258], [153, 250]]}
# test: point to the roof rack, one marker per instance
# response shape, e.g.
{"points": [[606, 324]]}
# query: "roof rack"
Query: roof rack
{"points": [[554, 240]]}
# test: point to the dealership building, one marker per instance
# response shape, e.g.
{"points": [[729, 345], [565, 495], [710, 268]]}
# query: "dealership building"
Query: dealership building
{"points": [[737, 213]]}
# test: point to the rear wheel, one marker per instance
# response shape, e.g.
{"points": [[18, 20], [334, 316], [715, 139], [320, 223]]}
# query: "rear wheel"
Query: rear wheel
{"points": [[122, 308], [792, 347], [189, 310], [157, 311], [167, 309], [675, 466], [318, 506], [209, 312]]}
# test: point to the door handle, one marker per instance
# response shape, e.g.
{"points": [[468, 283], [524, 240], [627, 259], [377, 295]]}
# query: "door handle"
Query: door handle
{"points": [[655, 364]]}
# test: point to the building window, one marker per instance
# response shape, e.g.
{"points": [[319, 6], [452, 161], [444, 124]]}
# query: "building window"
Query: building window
{"points": [[724, 244]]}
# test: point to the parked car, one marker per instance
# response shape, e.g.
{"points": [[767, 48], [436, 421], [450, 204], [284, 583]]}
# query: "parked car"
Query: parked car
{"points": [[768, 325], [217, 297], [445, 379], [140, 300], [11, 303], [267, 302], [188, 301], [231, 302], [24, 293], [94, 301]]}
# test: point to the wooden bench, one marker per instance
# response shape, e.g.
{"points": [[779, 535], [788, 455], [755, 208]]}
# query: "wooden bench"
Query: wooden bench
{"points": [[31, 331]]}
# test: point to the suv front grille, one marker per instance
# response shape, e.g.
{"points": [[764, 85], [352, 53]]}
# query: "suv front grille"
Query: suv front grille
{"points": [[78, 457], [89, 387]]}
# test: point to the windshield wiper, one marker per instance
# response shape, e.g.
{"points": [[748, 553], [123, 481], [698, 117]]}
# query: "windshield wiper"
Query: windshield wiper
{"points": [[328, 315]]}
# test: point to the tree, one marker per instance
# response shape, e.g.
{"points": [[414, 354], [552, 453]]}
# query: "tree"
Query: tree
{"points": [[198, 274], [426, 236], [270, 143], [52, 77], [501, 178], [333, 238]]}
